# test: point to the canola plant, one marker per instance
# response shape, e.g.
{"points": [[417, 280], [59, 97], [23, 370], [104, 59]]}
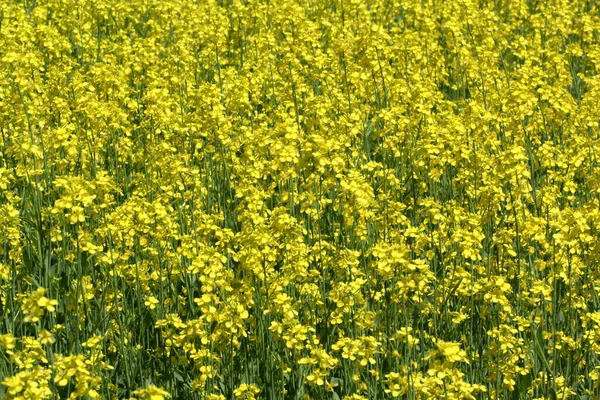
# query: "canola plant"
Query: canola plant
{"points": [[299, 199]]}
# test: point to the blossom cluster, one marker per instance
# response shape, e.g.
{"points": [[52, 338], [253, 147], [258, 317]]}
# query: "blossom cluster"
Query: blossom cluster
{"points": [[293, 199]]}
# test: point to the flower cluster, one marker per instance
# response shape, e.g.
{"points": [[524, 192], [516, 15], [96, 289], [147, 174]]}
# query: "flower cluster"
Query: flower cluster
{"points": [[257, 199]]}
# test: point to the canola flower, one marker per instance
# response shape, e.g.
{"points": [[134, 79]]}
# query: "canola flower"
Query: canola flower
{"points": [[258, 199]]}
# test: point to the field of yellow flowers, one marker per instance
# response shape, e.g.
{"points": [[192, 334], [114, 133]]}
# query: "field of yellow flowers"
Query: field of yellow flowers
{"points": [[299, 199]]}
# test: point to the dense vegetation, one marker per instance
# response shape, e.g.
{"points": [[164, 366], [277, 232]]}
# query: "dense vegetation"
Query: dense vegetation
{"points": [[299, 199]]}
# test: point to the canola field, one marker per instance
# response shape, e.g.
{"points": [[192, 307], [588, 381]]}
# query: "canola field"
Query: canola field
{"points": [[299, 199]]}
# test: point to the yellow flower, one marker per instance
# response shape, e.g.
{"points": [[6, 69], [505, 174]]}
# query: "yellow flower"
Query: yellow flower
{"points": [[151, 302], [35, 304], [151, 392], [246, 391]]}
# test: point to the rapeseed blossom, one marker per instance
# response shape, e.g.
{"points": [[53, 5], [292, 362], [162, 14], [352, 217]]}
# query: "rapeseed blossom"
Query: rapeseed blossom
{"points": [[256, 199]]}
